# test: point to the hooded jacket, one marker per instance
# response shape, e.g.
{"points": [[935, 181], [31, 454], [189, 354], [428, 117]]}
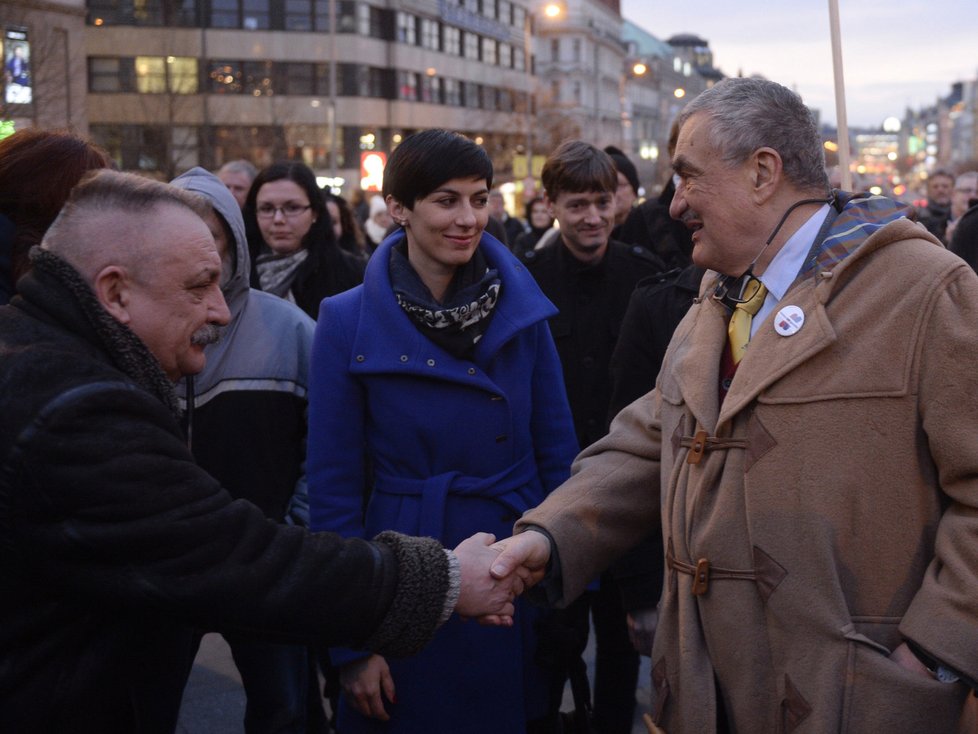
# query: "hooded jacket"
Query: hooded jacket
{"points": [[246, 412]]}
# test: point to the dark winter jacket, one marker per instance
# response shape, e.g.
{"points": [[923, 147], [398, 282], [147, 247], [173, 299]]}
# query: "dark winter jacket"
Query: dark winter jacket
{"points": [[591, 300], [114, 542], [650, 226]]}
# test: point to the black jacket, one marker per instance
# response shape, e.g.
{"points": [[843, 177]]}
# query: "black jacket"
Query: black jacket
{"points": [[591, 300], [114, 542], [965, 241], [650, 226]]}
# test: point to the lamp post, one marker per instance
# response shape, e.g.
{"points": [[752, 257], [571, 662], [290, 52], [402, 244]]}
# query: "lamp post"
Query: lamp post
{"points": [[551, 11], [331, 109]]}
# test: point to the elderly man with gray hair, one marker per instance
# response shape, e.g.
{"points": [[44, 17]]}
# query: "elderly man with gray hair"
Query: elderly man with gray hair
{"points": [[115, 543], [810, 449]]}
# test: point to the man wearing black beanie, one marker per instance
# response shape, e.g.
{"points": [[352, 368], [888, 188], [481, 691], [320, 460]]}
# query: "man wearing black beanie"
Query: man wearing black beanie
{"points": [[628, 186]]}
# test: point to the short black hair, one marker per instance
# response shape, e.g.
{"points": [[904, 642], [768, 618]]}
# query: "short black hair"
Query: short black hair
{"points": [[577, 167], [427, 159]]}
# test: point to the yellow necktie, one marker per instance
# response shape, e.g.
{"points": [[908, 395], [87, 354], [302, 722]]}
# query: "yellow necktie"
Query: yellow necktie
{"points": [[738, 330]]}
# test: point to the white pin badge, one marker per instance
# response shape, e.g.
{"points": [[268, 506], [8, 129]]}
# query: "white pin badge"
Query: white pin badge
{"points": [[789, 320]]}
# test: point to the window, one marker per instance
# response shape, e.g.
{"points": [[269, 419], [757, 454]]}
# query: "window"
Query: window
{"points": [[225, 14], [505, 12], [489, 51], [577, 93], [453, 41], [555, 49], [225, 77], [519, 16], [298, 15], [505, 55], [453, 92], [519, 59], [430, 89], [489, 8], [256, 15], [182, 76], [471, 46], [471, 95], [407, 86], [257, 78], [555, 91], [407, 28], [296, 78], [429, 34], [505, 100], [109, 74], [150, 74], [471, 5], [576, 49]]}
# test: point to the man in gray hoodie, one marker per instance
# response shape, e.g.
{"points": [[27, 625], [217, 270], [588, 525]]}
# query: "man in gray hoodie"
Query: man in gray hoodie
{"points": [[245, 417]]}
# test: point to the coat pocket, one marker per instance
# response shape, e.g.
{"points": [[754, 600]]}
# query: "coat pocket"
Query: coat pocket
{"points": [[882, 696]]}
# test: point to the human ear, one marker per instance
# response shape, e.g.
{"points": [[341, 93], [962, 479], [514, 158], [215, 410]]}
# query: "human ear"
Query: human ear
{"points": [[113, 291], [397, 211], [766, 171]]}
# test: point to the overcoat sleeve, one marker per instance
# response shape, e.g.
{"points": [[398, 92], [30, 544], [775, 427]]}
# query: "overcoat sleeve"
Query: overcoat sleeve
{"points": [[101, 501], [611, 500], [943, 616]]}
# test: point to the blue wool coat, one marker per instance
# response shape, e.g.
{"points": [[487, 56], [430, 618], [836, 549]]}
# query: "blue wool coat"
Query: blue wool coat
{"points": [[456, 446]]}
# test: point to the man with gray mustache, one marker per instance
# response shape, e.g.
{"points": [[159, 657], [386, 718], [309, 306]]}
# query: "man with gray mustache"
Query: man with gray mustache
{"points": [[115, 544]]}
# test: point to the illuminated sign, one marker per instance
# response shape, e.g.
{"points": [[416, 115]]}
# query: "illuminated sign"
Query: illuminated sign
{"points": [[18, 88], [372, 164]]}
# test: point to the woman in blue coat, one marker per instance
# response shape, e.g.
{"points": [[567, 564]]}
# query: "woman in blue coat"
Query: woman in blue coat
{"points": [[440, 373]]}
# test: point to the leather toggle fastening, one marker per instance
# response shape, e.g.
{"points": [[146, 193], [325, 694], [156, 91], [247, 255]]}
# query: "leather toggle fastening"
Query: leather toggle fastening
{"points": [[703, 573], [700, 443]]}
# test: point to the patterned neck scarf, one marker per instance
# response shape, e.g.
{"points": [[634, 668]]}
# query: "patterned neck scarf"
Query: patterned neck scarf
{"points": [[276, 273], [458, 324]]}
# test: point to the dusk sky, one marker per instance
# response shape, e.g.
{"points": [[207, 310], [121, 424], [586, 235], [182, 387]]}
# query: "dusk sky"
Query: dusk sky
{"points": [[896, 53]]}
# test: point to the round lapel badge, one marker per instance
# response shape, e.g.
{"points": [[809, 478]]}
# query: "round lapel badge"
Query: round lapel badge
{"points": [[789, 320]]}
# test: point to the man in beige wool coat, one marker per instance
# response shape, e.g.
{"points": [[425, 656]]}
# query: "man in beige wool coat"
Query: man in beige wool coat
{"points": [[818, 489]]}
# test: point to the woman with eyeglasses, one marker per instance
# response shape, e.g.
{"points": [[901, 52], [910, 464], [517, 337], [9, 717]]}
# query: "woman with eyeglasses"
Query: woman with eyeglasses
{"points": [[442, 369], [294, 253]]}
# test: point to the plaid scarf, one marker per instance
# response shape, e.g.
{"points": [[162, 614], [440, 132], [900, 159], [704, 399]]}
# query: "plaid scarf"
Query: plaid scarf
{"points": [[857, 216]]}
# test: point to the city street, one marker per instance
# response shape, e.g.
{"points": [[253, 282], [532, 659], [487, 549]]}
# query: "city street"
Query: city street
{"points": [[214, 701]]}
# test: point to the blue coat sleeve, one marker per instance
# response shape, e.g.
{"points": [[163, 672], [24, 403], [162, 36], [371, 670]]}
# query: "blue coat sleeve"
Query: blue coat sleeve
{"points": [[337, 444], [335, 456]]}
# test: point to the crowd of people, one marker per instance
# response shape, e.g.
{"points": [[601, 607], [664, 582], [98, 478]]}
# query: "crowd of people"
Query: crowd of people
{"points": [[337, 431]]}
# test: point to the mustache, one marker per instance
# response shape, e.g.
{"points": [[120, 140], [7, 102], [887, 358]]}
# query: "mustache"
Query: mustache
{"points": [[206, 334]]}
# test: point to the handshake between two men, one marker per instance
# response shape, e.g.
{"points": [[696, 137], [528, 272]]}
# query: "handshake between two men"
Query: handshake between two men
{"points": [[493, 574]]}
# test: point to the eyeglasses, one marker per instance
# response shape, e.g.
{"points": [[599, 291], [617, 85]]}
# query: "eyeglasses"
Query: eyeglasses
{"points": [[732, 291], [267, 211]]}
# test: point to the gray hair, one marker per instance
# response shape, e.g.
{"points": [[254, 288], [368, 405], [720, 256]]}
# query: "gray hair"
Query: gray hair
{"points": [[747, 114], [239, 166], [91, 232]]}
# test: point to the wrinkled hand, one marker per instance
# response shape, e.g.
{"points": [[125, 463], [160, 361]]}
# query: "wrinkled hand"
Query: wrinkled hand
{"points": [[363, 683], [488, 597], [525, 554], [641, 629]]}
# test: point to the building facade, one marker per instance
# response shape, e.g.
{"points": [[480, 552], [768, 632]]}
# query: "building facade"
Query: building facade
{"points": [[177, 83]]}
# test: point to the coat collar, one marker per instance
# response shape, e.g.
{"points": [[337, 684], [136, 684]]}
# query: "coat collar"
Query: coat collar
{"points": [[700, 341], [387, 341]]}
